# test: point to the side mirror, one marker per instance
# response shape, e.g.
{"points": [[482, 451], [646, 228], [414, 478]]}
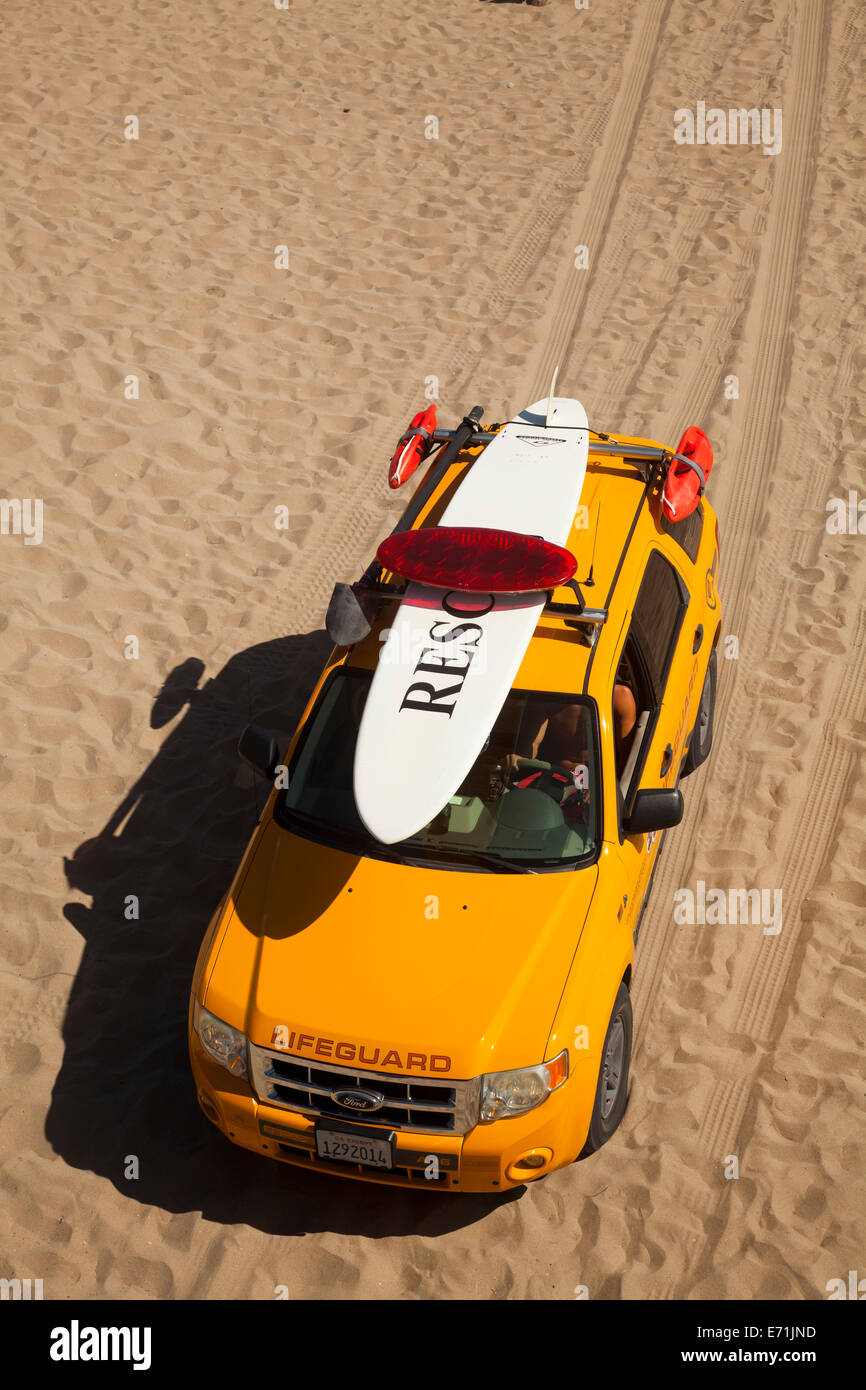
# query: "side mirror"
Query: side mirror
{"points": [[655, 808], [350, 615], [259, 748]]}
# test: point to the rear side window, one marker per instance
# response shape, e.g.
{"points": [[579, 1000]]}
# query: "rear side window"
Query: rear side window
{"points": [[687, 533], [658, 613]]}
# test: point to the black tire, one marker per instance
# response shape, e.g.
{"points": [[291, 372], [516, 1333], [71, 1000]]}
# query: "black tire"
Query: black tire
{"points": [[702, 735], [611, 1093]]}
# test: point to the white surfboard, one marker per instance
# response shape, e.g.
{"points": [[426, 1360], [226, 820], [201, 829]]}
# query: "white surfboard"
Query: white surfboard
{"points": [[451, 657]]}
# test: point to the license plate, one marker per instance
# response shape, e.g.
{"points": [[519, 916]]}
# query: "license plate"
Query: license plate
{"points": [[342, 1147]]}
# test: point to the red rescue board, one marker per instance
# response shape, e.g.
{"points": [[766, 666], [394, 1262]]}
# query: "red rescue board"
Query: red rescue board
{"points": [[684, 484], [477, 559]]}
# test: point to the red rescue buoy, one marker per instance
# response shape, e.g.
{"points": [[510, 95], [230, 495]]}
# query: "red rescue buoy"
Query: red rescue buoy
{"points": [[413, 447], [687, 474]]}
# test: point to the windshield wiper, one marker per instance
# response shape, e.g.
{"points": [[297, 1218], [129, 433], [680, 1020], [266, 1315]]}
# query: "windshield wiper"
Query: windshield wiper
{"points": [[355, 843], [480, 856]]}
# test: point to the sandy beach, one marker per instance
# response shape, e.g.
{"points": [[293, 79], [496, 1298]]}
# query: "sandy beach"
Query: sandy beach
{"points": [[472, 192]]}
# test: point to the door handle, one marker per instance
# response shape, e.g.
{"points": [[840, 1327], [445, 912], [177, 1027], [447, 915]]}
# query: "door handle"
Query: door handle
{"points": [[667, 757], [699, 637]]}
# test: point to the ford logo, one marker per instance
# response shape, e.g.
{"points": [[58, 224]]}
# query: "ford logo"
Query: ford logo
{"points": [[359, 1100]]}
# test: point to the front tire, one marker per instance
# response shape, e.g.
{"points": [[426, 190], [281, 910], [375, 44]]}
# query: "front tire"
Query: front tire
{"points": [[702, 735], [611, 1094]]}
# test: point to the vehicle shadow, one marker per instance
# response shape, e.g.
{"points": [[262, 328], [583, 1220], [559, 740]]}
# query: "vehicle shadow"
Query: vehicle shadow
{"points": [[156, 873]]}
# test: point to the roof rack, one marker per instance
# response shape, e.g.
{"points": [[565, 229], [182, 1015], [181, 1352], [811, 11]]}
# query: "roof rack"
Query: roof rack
{"points": [[353, 607]]}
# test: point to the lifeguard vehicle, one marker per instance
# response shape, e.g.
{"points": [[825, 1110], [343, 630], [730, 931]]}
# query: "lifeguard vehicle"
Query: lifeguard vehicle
{"points": [[420, 975]]}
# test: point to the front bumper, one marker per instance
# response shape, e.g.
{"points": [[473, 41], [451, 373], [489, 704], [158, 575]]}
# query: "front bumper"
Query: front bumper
{"points": [[487, 1159]]}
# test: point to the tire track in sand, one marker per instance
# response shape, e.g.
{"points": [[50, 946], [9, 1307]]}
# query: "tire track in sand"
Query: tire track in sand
{"points": [[753, 1012], [754, 445], [758, 460], [595, 209], [356, 525]]}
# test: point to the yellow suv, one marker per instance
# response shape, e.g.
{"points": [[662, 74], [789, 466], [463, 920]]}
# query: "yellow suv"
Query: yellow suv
{"points": [[408, 1013]]}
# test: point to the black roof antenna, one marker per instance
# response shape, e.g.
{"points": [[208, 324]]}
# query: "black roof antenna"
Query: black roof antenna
{"points": [[589, 581]]}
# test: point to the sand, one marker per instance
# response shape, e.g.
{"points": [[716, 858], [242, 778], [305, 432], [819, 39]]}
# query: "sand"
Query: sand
{"points": [[262, 387]]}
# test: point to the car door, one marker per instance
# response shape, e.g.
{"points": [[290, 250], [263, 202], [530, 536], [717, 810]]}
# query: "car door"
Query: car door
{"points": [[686, 667]]}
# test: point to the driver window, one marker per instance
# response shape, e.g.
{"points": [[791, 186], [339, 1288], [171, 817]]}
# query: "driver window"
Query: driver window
{"points": [[632, 712], [626, 706]]}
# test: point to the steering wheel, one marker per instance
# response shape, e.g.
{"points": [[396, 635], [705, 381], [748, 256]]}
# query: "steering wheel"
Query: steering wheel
{"points": [[529, 765], [532, 765], [521, 768], [575, 799]]}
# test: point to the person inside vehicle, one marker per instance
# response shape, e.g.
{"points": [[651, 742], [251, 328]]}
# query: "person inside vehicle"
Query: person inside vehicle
{"points": [[624, 713], [559, 735], [624, 719]]}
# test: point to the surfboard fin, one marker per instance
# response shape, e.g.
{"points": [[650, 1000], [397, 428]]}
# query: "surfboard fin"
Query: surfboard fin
{"points": [[549, 417]]}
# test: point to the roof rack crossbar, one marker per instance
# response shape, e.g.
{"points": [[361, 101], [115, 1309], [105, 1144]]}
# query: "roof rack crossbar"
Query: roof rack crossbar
{"points": [[577, 609], [632, 451], [644, 452], [479, 437], [628, 451]]}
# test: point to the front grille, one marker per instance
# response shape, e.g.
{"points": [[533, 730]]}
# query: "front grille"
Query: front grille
{"points": [[411, 1102]]}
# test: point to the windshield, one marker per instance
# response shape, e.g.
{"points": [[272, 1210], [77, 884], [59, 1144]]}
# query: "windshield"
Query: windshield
{"points": [[530, 801]]}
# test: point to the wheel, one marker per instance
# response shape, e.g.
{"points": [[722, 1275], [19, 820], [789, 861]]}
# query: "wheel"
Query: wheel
{"points": [[702, 734], [611, 1092]]}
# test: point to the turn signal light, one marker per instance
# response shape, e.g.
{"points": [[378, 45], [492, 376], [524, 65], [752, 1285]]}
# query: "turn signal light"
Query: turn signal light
{"points": [[208, 1107]]}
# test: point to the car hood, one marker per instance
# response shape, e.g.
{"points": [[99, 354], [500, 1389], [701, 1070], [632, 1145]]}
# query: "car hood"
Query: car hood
{"points": [[462, 970]]}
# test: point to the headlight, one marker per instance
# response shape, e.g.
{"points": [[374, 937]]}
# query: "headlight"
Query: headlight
{"points": [[224, 1044], [507, 1093]]}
